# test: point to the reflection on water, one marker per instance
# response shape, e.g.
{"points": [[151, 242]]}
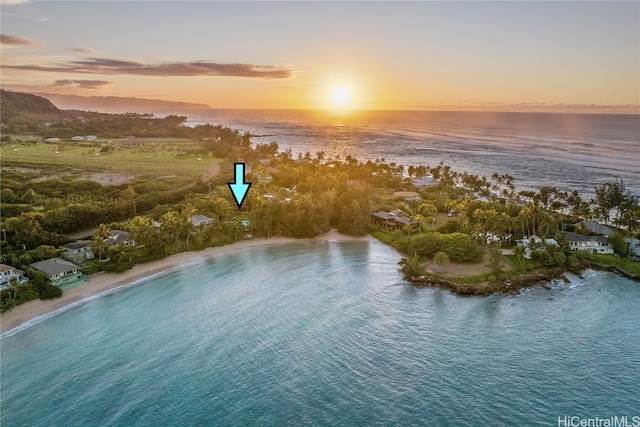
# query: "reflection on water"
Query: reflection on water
{"points": [[325, 333]]}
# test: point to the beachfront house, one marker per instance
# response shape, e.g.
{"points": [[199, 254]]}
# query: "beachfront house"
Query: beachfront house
{"points": [[407, 196], [201, 220], [593, 244], [59, 271], [534, 243], [8, 273], [394, 220], [119, 237], [78, 251], [425, 181]]}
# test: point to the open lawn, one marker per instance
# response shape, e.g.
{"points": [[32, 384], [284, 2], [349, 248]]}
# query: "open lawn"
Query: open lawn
{"points": [[460, 270], [166, 158], [631, 267]]}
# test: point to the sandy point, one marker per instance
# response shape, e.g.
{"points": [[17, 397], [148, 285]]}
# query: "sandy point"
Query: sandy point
{"points": [[104, 282]]}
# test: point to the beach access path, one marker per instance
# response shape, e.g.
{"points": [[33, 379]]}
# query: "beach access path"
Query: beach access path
{"points": [[103, 282]]}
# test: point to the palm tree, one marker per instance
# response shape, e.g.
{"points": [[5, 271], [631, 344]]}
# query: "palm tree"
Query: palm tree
{"points": [[141, 229], [221, 207], [420, 219], [441, 259], [519, 252], [185, 225], [100, 245], [121, 254], [169, 231]]}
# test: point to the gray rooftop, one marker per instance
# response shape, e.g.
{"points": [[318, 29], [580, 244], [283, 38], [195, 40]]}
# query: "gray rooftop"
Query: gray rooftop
{"points": [[200, 219], [117, 237], [76, 245], [54, 266], [575, 237], [596, 227]]}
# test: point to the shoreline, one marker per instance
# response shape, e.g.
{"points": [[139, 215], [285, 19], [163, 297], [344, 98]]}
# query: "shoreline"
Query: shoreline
{"points": [[103, 283], [526, 280]]}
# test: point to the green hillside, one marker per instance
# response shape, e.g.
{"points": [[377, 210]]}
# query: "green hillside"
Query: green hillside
{"points": [[23, 109]]}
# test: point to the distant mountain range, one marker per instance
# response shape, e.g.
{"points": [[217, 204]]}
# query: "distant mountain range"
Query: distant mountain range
{"points": [[117, 104]]}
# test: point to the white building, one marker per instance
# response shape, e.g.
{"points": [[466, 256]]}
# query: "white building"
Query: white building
{"points": [[534, 240], [7, 273], [198, 220], [593, 244]]}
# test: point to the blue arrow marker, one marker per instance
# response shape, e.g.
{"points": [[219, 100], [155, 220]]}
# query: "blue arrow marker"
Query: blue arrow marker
{"points": [[239, 188]]}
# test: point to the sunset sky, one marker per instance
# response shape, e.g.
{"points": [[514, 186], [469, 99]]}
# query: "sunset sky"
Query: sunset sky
{"points": [[353, 55]]}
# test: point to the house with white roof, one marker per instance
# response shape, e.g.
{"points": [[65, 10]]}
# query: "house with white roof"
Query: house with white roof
{"points": [[7, 273], [198, 220]]}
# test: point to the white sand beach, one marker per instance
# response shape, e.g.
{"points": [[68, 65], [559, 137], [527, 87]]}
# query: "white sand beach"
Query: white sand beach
{"points": [[102, 282]]}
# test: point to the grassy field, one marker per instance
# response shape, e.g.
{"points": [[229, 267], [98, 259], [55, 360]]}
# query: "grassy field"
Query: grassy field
{"points": [[163, 157], [631, 267]]}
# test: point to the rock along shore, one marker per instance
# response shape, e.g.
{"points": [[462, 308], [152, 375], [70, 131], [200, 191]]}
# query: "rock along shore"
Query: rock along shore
{"points": [[517, 283]]}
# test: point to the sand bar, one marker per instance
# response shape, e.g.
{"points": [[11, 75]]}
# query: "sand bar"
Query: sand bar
{"points": [[103, 282]]}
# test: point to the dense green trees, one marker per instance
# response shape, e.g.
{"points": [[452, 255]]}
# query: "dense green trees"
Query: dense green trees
{"points": [[290, 197], [412, 268], [36, 287], [458, 246]]}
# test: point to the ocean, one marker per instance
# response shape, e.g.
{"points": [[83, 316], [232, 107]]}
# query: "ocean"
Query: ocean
{"points": [[326, 333], [568, 151]]}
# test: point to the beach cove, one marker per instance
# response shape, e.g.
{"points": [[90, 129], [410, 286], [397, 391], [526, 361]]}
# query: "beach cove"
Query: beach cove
{"points": [[104, 283], [324, 332]]}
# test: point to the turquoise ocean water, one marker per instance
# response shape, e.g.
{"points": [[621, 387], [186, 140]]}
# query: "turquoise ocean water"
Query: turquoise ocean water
{"points": [[326, 333]]}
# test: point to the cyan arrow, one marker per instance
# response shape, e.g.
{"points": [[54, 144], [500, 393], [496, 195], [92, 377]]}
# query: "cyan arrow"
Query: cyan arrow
{"points": [[239, 188]]}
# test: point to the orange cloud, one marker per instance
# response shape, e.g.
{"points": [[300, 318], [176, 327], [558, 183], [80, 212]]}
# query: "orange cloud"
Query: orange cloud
{"points": [[7, 40], [83, 84], [174, 69]]}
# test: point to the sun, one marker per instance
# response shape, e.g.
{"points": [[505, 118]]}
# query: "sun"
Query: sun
{"points": [[341, 97]]}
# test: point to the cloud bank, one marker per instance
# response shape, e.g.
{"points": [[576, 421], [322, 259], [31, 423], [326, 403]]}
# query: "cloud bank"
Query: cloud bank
{"points": [[7, 40], [82, 84], [172, 69], [82, 50]]}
